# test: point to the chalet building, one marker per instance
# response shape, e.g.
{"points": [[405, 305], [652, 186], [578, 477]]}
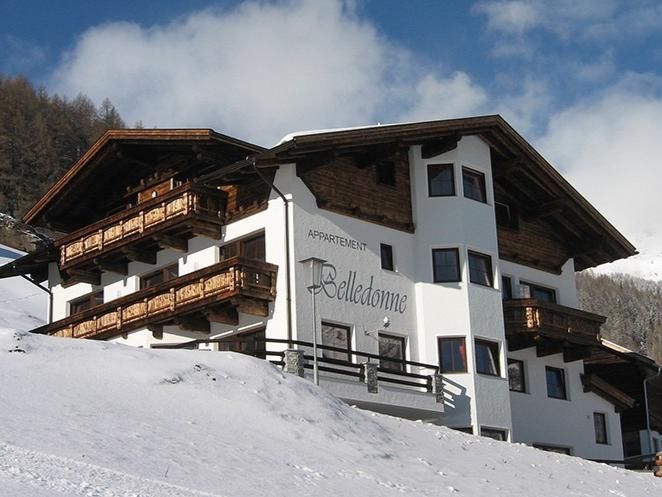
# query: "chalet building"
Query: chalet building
{"points": [[447, 289]]}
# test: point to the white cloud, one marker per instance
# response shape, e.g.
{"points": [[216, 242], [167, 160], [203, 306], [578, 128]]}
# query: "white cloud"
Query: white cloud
{"points": [[513, 16], [610, 149], [259, 71]]}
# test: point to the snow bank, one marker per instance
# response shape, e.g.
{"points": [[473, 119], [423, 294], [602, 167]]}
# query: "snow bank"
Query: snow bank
{"points": [[23, 306], [98, 419]]}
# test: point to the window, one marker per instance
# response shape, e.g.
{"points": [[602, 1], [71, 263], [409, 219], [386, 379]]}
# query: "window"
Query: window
{"points": [[516, 380], [159, 276], [480, 269], [506, 215], [386, 252], [441, 180], [452, 355], [600, 424], [487, 357], [506, 288], [386, 173], [85, 302], [554, 448], [446, 265], [493, 433], [556, 383], [392, 347], [531, 291], [334, 335], [252, 247], [250, 343], [464, 429], [473, 184]]}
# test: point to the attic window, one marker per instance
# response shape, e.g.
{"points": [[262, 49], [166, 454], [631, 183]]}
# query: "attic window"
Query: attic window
{"points": [[386, 173]]}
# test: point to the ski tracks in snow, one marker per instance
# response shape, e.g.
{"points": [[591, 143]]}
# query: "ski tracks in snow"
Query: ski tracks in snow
{"points": [[76, 479]]}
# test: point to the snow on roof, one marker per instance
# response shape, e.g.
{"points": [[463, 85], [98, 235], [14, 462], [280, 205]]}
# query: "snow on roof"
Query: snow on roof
{"points": [[293, 135], [83, 417]]}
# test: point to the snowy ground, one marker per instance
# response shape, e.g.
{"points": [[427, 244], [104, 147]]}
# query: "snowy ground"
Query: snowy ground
{"points": [[81, 418], [23, 306]]}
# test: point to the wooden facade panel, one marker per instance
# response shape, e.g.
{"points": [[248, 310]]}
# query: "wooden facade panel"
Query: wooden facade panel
{"points": [[350, 186], [247, 197], [532, 244]]}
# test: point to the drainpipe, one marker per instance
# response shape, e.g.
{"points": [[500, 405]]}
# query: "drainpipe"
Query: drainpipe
{"points": [[648, 419], [47, 290], [287, 249]]}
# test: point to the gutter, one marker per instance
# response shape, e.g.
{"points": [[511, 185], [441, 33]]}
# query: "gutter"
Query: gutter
{"points": [[288, 277]]}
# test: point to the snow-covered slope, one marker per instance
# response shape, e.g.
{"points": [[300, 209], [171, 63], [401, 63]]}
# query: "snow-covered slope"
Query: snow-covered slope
{"points": [[23, 306], [81, 418]]}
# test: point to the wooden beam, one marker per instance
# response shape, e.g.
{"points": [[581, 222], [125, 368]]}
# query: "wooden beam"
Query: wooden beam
{"points": [[172, 242], [555, 206], [113, 267], [439, 146], [548, 347], [252, 306], [192, 323], [137, 255], [574, 353], [83, 276], [157, 331], [225, 315], [507, 167]]}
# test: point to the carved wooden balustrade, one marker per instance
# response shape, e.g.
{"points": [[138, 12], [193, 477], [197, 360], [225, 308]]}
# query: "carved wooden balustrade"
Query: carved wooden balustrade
{"points": [[242, 283], [551, 320], [185, 210]]}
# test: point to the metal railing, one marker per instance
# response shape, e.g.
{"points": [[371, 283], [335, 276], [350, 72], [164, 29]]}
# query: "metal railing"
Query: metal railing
{"points": [[353, 367]]}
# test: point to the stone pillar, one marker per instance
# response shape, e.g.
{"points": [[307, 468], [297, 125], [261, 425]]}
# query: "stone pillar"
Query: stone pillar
{"points": [[370, 376], [437, 382], [294, 362]]}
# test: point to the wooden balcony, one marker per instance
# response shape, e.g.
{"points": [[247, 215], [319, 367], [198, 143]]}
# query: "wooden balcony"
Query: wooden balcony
{"points": [[215, 293], [166, 221], [530, 317]]}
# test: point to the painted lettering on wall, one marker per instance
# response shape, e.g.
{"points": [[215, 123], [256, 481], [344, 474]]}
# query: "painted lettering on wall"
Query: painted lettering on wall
{"points": [[346, 289], [340, 240]]}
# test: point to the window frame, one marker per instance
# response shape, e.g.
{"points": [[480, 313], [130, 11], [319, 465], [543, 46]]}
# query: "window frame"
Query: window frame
{"points": [[403, 340], [522, 369], [602, 440], [494, 348], [557, 449], [458, 276], [482, 188], [549, 369], [332, 354], [463, 351], [444, 167], [239, 247], [163, 272], [88, 298], [506, 283], [534, 287], [472, 254], [500, 431], [390, 255]]}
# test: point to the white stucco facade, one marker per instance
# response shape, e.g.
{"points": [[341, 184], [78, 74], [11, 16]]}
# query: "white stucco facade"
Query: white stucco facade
{"points": [[418, 309]]}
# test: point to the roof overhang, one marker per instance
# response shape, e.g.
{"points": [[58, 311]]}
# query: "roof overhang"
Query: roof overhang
{"points": [[590, 230], [129, 152]]}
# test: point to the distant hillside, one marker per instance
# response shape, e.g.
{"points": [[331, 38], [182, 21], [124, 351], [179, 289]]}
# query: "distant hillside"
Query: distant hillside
{"points": [[633, 307], [41, 135]]}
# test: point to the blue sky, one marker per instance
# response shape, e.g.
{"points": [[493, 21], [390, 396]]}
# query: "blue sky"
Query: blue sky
{"points": [[581, 80]]}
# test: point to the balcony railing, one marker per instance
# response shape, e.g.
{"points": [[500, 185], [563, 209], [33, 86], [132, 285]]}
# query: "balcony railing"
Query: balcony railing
{"points": [[411, 375], [197, 292], [551, 320], [181, 207]]}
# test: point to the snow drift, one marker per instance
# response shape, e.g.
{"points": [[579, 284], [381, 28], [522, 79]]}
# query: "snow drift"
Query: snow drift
{"points": [[81, 418]]}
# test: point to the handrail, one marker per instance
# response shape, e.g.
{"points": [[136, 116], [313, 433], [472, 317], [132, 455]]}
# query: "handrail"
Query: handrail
{"points": [[175, 192], [168, 296]]}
